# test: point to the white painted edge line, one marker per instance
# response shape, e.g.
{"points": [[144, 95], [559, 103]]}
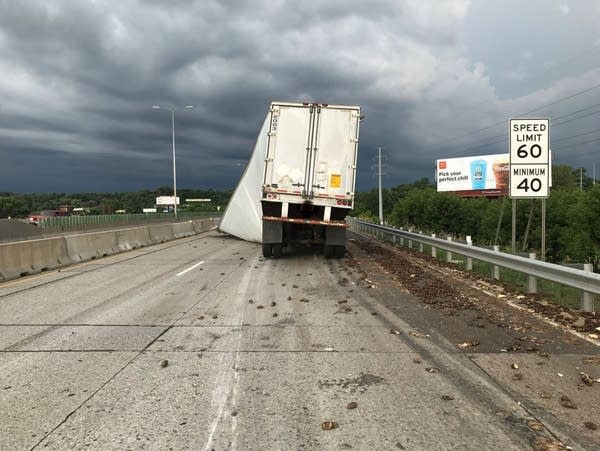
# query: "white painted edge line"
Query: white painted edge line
{"points": [[189, 269]]}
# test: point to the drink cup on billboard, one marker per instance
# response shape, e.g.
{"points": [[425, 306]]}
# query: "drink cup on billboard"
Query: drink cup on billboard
{"points": [[501, 172], [478, 175]]}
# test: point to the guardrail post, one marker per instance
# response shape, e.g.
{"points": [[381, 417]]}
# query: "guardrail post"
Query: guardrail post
{"points": [[531, 281], [496, 268], [587, 299], [394, 239], [448, 253], [469, 263], [409, 240], [420, 243], [433, 249]]}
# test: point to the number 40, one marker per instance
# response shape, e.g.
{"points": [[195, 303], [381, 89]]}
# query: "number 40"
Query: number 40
{"points": [[535, 185]]}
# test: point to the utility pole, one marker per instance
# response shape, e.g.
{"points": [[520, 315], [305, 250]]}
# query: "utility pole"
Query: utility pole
{"points": [[379, 175], [594, 172], [581, 178]]}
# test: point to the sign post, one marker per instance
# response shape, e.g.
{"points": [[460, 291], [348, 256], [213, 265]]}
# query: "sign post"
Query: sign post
{"points": [[529, 165]]}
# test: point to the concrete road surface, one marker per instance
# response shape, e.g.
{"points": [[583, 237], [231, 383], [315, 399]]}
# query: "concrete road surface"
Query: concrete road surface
{"points": [[202, 344]]}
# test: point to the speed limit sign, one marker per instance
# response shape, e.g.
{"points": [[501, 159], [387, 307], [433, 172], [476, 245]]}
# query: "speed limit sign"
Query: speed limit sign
{"points": [[529, 158]]}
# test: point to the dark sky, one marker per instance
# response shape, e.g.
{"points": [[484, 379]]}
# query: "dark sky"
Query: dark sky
{"points": [[435, 79]]}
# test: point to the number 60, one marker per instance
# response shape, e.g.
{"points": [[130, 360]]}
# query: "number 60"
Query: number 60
{"points": [[535, 151]]}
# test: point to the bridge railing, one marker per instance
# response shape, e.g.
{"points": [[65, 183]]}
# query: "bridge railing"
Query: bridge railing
{"points": [[86, 222], [586, 281]]}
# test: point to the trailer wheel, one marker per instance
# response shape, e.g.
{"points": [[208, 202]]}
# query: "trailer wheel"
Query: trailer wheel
{"points": [[267, 250], [340, 251], [277, 250]]}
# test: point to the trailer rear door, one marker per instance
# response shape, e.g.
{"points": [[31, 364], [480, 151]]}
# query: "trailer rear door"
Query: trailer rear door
{"points": [[289, 141], [333, 164]]}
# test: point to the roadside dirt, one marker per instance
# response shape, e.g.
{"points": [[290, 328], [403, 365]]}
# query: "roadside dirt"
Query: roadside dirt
{"points": [[541, 353]]}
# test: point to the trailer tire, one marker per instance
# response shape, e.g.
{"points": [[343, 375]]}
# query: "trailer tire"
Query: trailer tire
{"points": [[277, 250], [267, 250]]}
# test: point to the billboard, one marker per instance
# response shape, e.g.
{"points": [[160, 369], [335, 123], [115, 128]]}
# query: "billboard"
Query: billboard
{"points": [[166, 200], [483, 175]]}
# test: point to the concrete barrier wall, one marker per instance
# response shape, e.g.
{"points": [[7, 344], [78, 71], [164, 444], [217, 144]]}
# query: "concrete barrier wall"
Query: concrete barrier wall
{"points": [[183, 229], [29, 257], [204, 225], [33, 256], [133, 238], [87, 246], [160, 233]]}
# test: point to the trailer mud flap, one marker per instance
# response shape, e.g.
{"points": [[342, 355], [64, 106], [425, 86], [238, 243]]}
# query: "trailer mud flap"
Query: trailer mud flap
{"points": [[335, 236], [272, 232]]}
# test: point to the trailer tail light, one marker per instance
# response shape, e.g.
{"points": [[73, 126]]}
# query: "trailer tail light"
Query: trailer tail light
{"points": [[272, 196]]}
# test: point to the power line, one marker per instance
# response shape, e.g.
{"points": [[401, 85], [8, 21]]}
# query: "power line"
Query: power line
{"points": [[504, 137], [542, 71], [582, 143], [574, 136], [576, 118], [578, 111], [562, 99]]}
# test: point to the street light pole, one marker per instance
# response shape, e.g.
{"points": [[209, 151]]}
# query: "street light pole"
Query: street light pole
{"points": [[174, 164], [172, 110]]}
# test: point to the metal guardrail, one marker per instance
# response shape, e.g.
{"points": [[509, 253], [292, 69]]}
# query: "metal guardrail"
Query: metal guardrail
{"points": [[588, 282]]}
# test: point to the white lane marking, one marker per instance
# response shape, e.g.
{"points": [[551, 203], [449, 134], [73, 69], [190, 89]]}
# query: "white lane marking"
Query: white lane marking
{"points": [[219, 396], [189, 269], [226, 391]]}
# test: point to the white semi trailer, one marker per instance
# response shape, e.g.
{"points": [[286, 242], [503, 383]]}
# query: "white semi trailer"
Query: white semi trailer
{"points": [[309, 175]]}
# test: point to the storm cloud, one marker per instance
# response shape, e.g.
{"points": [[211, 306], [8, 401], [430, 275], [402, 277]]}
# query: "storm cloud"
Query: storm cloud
{"points": [[434, 79]]}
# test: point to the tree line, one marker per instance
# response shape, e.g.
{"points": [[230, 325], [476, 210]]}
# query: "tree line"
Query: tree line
{"points": [[16, 205], [572, 224], [572, 215]]}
